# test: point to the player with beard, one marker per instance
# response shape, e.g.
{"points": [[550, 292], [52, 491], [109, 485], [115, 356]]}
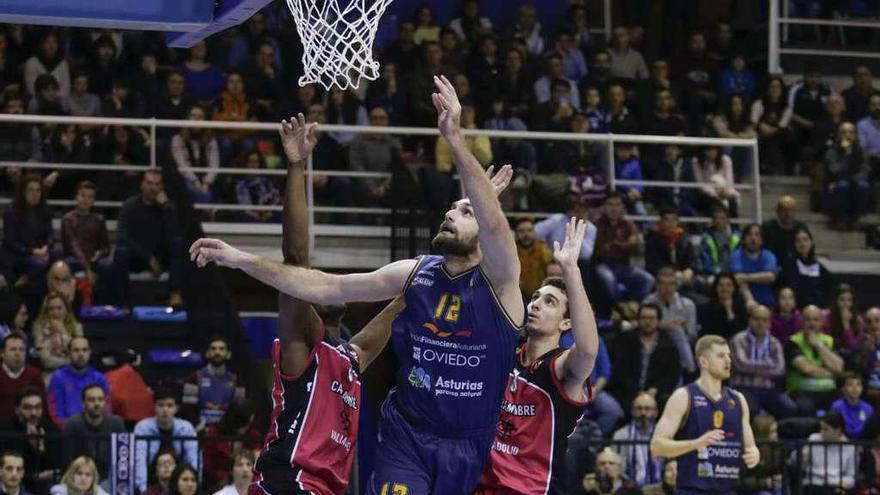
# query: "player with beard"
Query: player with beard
{"points": [[549, 388], [455, 339], [705, 425], [316, 392]]}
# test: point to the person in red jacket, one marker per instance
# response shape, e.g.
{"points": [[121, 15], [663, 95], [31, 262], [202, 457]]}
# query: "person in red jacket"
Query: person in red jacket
{"points": [[15, 374], [218, 449]]}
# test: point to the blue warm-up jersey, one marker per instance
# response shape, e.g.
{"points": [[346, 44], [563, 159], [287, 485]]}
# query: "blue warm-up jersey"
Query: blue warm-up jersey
{"points": [[456, 346], [715, 469]]}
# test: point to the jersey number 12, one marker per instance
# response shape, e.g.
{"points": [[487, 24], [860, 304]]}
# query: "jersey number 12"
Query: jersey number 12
{"points": [[451, 305]]}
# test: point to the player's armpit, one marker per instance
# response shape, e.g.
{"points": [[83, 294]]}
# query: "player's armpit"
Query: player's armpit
{"points": [[299, 329], [371, 340]]}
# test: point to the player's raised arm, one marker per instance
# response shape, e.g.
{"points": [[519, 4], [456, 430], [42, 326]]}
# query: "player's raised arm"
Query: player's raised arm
{"points": [[576, 364], [298, 324], [500, 260], [662, 443], [310, 285], [370, 341]]}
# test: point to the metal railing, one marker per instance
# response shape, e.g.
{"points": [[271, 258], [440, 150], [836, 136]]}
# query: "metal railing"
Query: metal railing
{"points": [[152, 124], [778, 35]]}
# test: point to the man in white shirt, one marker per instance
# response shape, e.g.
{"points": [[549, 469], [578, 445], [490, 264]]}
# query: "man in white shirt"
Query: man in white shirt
{"points": [[636, 458], [829, 466]]}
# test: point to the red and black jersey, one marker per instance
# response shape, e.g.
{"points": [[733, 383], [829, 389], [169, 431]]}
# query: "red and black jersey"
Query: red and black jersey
{"points": [[310, 445], [537, 417]]}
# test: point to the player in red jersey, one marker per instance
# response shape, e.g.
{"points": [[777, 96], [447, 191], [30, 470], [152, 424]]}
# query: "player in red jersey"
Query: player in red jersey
{"points": [[549, 388], [316, 394]]}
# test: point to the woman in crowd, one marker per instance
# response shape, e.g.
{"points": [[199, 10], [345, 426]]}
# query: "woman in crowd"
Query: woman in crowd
{"points": [[13, 316], [197, 148], [242, 473], [256, 190], [47, 60], [28, 237], [67, 145], [667, 484], [847, 179], [733, 122], [121, 145], [805, 274], [787, 318], [426, 29], [184, 481], [204, 82], [161, 467], [842, 320], [715, 168], [53, 330], [217, 450], [233, 105], [725, 314], [344, 108], [81, 478], [771, 115]]}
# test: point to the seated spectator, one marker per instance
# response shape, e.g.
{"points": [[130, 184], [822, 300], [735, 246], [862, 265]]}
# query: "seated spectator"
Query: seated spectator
{"points": [[718, 242], [608, 477], [771, 116], [534, 256], [166, 424], [617, 241], [454, 51], [204, 82], [103, 64], [823, 137], [525, 26], [55, 327], [88, 433], [866, 357], [858, 95], [725, 314], [147, 237], [15, 139], [657, 371], [715, 168], [257, 190], [600, 72], [12, 473], [618, 117], [84, 236], [779, 233], [603, 408], [594, 110], [667, 485], [733, 121], [755, 268], [812, 365], [173, 103], [344, 108], [426, 29], [555, 71], [263, 76], [766, 478], [42, 451], [469, 25], [852, 408], [81, 102], [807, 100], [552, 229], [208, 392], [480, 146], [842, 320], [679, 319], [553, 114], [17, 375], [60, 279], [184, 481], [50, 61], [758, 363], [481, 67], [626, 63], [14, 316], [787, 318], [28, 236], [219, 451], [374, 153], [121, 146], [248, 41], [66, 387], [66, 144], [804, 273], [627, 166], [698, 73], [197, 148], [831, 466], [663, 119], [161, 468], [869, 132], [81, 478], [123, 103], [848, 179], [242, 473], [233, 105], [667, 244], [638, 465], [737, 79], [47, 100], [660, 80], [391, 93]]}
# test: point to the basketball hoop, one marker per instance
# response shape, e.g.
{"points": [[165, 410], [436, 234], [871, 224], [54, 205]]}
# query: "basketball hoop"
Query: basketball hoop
{"points": [[337, 36]]}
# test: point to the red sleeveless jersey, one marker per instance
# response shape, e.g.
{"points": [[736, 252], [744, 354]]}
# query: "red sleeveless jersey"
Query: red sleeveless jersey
{"points": [[536, 419], [310, 445]]}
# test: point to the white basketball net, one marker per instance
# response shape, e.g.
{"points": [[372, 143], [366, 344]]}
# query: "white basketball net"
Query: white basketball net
{"points": [[338, 40]]}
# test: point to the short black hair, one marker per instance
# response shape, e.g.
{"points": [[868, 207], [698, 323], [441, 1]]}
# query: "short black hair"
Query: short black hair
{"points": [[10, 453], [749, 228], [650, 305], [89, 387], [559, 283], [833, 419], [12, 336], [519, 220], [615, 194], [216, 337], [163, 393], [27, 392]]}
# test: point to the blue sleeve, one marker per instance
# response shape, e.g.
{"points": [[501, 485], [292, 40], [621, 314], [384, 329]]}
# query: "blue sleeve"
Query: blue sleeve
{"points": [[140, 459], [589, 243], [635, 173], [724, 84], [769, 262], [750, 83], [544, 229], [602, 368], [706, 265], [735, 261]]}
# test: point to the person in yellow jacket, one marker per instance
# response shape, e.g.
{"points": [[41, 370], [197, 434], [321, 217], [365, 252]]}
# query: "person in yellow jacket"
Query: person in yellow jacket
{"points": [[480, 146]]}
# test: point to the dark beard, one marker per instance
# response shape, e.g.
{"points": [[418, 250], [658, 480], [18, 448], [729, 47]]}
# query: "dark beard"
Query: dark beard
{"points": [[452, 247]]}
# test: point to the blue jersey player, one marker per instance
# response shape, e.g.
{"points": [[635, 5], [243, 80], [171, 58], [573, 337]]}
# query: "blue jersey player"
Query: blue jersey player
{"points": [[705, 426], [456, 337]]}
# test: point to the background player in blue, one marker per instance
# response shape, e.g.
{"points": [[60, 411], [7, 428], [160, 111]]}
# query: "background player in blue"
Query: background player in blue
{"points": [[456, 337], [705, 425]]}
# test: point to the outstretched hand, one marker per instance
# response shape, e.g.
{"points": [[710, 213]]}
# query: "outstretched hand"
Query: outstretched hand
{"points": [[448, 108], [205, 250], [567, 255], [298, 137], [501, 179]]}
